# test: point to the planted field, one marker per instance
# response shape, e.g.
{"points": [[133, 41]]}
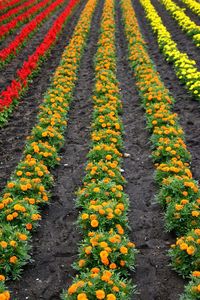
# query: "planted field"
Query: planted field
{"points": [[99, 149]]}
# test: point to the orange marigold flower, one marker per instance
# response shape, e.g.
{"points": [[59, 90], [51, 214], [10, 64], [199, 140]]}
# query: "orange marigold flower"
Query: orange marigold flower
{"points": [[81, 263], [100, 294], [94, 223], [13, 259], [82, 296], [196, 273], [2, 277], [95, 270], [22, 237], [190, 250], [115, 288], [111, 297], [72, 289], [13, 243], [29, 226], [10, 185], [4, 244], [123, 250], [183, 246]]}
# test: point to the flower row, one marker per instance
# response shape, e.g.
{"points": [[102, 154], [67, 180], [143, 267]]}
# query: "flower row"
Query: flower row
{"points": [[29, 185], [179, 193], [193, 5], [186, 24], [26, 33], [6, 29], [185, 68], [105, 253], [4, 7], [11, 95], [16, 11]]}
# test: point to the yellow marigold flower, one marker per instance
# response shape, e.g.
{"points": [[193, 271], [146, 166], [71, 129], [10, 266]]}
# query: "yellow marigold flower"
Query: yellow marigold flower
{"points": [[96, 190], [123, 250], [19, 173], [35, 217], [195, 213], [9, 217], [190, 250], [183, 246], [130, 244], [81, 263], [111, 297], [178, 207], [103, 244], [100, 294], [103, 254], [13, 243], [88, 250], [82, 296], [108, 157], [94, 223], [84, 216], [22, 237]]}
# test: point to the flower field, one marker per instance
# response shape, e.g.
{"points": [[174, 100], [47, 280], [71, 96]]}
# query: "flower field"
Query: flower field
{"points": [[99, 149]]}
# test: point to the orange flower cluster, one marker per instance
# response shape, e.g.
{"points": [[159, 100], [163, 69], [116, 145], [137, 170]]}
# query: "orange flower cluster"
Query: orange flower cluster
{"points": [[179, 192], [29, 185], [105, 250]]}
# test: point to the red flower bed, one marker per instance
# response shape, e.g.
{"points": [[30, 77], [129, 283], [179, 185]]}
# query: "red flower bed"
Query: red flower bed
{"points": [[4, 7], [16, 11], [5, 29], [18, 85], [11, 50]]}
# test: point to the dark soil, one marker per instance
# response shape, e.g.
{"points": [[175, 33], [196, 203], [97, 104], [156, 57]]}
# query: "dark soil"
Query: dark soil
{"points": [[184, 42], [187, 108], [9, 72], [55, 242], [13, 135], [154, 278]]}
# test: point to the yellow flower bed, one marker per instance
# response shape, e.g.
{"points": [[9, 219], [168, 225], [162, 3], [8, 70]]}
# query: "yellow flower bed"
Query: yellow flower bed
{"points": [[186, 24], [185, 68], [105, 253], [29, 184], [193, 5]]}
